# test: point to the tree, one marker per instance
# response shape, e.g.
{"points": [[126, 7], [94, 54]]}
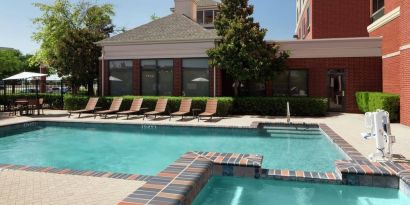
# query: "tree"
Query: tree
{"points": [[63, 20], [154, 17], [13, 62], [242, 51], [77, 57]]}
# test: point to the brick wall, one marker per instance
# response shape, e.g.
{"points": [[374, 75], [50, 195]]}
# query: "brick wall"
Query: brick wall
{"points": [[391, 75], [361, 74], [136, 77], [218, 82], [340, 18], [390, 5], [177, 90], [405, 63], [391, 36], [106, 79]]}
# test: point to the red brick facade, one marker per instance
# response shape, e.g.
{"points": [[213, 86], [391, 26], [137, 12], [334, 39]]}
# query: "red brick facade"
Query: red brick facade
{"points": [[177, 72], [396, 55], [336, 19], [360, 74]]}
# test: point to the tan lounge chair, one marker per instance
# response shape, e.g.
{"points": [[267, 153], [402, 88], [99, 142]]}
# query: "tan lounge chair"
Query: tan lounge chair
{"points": [[114, 108], [90, 108], [135, 108], [210, 110], [159, 108], [184, 109]]}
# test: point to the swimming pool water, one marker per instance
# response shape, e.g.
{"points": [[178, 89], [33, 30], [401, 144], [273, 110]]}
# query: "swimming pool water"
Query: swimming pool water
{"points": [[149, 149], [242, 191]]}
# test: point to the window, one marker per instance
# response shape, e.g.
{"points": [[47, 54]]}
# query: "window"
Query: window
{"points": [[378, 9], [209, 17], [157, 77], [252, 88], [291, 83], [308, 19], [120, 77], [200, 17], [195, 77], [206, 16]]}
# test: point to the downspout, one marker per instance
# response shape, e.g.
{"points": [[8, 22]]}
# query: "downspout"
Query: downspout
{"points": [[102, 72]]}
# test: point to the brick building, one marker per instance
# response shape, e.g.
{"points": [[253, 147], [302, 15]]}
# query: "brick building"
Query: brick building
{"points": [[168, 57], [391, 22]]}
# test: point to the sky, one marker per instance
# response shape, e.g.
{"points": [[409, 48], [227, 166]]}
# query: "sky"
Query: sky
{"points": [[16, 27]]}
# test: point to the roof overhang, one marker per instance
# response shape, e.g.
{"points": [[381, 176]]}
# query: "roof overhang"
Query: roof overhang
{"points": [[124, 43], [332, 48]]}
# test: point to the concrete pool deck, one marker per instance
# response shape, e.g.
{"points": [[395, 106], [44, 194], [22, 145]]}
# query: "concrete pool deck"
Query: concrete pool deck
{"points": [[348, 126], [25, 187]]}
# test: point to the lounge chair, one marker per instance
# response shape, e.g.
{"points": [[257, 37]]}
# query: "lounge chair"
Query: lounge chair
{"points": [[184, 109], [159, 108], [135, 108], [114, 108], [210, 109], [90, 108]]}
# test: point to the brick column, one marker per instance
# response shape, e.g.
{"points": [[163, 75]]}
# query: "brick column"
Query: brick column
{"points": [[105, 80], [269, 88], [43, 83], [136, 77], [405, 63], [218, 82], [177, 72]]}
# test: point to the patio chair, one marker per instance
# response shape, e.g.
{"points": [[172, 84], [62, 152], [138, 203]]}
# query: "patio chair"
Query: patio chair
{"points": [[135, 108], [160, 108], [210, 109], [184, 109], [90, 108], [114, 108]]}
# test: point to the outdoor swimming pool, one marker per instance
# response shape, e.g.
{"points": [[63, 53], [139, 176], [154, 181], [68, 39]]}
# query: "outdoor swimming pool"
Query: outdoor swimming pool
{"points": [[149, 149], [241, 191]]}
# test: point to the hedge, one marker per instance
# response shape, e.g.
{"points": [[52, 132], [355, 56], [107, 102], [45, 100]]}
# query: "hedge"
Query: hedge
{"points": [[372, 101], [54, 100], [300, 106]]}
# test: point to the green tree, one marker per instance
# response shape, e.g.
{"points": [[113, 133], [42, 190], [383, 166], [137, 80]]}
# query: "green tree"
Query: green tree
{"points": [[242, 51], [62, 20], [154, 17], [77, 57], [13, 62]]}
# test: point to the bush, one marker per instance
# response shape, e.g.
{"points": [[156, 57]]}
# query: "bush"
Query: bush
{"points": [[299, 106], [225, 104], [372, 101], [54, 100]]}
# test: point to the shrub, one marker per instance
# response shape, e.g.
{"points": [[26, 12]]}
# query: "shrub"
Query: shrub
{"points": [[299, 106], [54, 100], [372, 101]]}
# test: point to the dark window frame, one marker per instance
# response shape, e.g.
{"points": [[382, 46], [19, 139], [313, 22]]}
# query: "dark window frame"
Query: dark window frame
{"points": [[156, 69], [182, 75], [288, 93], [109, 74]]}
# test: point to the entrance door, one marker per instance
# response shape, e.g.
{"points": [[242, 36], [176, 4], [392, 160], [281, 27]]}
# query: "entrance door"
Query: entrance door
{"points": [[336, 90]]}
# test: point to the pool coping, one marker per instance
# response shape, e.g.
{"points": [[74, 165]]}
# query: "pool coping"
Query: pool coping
{"points": [[356, 170]]}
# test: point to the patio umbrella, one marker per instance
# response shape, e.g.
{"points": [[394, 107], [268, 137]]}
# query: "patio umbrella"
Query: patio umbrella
{"points": [[24, 76], [112, 78], [200, 80]]}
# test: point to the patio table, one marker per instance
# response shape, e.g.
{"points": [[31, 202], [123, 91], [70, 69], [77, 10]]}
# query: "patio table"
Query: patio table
{"points": [[23, 106]]}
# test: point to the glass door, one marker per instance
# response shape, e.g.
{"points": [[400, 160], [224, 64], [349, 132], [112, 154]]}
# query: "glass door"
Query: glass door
{"points": [[336, 82]]}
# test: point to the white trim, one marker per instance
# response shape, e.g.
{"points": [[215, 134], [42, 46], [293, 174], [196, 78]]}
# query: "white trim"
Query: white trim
{"points": [[390, 55], [405, 47], [384, 20], [154, 42], [302, 11]]}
